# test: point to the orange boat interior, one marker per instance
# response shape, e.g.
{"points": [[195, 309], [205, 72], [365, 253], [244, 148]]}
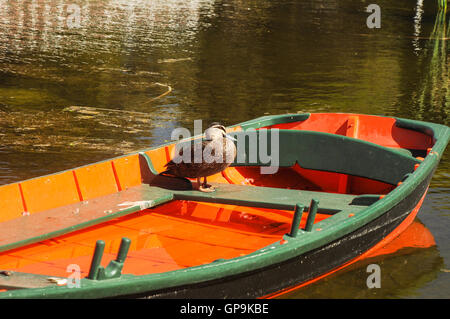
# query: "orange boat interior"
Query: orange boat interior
{"points": [[181, 233]]}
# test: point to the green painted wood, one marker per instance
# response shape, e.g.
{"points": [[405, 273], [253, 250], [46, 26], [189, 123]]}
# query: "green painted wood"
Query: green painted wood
{"points": [[312, 211], [114, 268], [270, 120], [269, 197], [96, 260], [326, 152], [365, 200], [401, 150], [296, 220], [148, 171]]}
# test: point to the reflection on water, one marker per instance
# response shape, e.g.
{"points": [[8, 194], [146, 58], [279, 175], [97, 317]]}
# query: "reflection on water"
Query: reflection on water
{"points": [[226, 60], [401, 276], [432, 95], [407, 263], [417, 25]]}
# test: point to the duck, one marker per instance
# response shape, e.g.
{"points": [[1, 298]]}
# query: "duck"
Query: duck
{"points": [[218, 151]]}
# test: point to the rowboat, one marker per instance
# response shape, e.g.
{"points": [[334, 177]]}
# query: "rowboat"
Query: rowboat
{"points": [[343, 187]]}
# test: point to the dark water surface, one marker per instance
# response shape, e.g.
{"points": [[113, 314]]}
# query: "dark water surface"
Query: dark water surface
{"points": [[226, 61]]}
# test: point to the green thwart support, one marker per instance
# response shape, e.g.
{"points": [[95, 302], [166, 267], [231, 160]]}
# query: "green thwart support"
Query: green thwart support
{"points": [[296, 220], [96, 259], [114, 268], [312, 214]]}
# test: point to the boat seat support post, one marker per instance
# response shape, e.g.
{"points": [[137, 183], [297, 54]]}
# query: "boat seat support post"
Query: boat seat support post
{"points": [[311, 214], [296, 220]]}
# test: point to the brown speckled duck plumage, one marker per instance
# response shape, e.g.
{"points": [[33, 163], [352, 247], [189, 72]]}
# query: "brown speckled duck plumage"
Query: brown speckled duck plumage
{"points": [[190, 169]]}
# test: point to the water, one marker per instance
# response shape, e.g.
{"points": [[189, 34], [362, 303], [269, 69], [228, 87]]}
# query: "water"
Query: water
{"points": [[227, 61]]}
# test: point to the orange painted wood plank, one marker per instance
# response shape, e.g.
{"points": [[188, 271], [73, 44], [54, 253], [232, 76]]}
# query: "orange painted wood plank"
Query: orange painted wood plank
{"points": [[49, 192], [233, 176], [11, 205], [89, 236], [9, 262], [96, 180], [159, 158], [343, 184], [217, 178], [34, 249], [193, 253], [138, 266], [353, 126], [170, 152], [234, 129], [128, 171], [40, 268]]}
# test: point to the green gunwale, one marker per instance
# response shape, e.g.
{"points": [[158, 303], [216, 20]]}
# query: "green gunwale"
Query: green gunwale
{"points": [[333, 228]]}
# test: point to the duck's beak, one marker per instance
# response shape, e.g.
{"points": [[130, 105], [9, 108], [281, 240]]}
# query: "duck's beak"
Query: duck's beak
{"points": [[230, 137]]}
